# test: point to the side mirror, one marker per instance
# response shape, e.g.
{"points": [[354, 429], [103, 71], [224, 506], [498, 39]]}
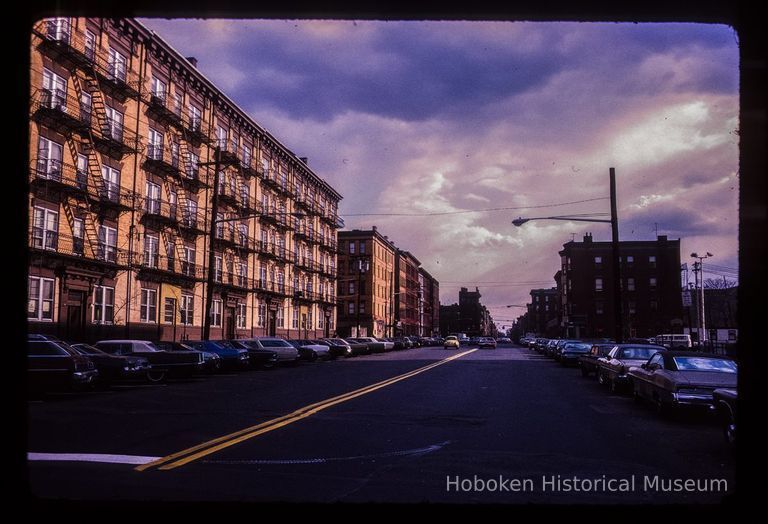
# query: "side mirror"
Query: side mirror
{"points": [[644, 366]]}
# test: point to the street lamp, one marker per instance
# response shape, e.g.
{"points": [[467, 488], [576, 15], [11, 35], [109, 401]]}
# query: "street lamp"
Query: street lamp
{"points": [[614, 221], [218, 163], [699, 266]]}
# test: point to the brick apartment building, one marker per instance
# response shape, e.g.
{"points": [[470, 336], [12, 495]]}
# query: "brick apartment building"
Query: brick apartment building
{"points": [[123, 134]]}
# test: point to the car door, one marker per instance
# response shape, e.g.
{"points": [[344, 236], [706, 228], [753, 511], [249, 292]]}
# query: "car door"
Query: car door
{"points": [[654, 376]]}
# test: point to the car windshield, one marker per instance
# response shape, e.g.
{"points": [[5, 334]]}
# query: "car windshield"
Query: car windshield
{"points": [[578, 347], [337, 341], [275, 343], [451, 338], [151, 346], [639, 353], [86, 349], [705, 364]]}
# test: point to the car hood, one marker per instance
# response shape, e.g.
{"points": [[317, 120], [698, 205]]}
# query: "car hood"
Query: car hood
{"points": [[633, 362], [709, 379]]}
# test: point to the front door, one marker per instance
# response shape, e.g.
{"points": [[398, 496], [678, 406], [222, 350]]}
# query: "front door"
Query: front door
{"points": [[75, 325], [229, 323], [271, 323]]}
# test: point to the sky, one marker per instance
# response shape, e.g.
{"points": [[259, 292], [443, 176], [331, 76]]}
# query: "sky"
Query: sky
{"points": [[440, 133]]}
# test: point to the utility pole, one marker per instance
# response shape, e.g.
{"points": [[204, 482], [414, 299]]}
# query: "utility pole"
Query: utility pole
{"points": [[211, 254], [617, 318]]}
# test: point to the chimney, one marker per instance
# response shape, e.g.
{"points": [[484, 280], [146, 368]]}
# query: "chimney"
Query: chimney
{"points": [[304, 159], [375, 228], [588, 238], [192, 60]]}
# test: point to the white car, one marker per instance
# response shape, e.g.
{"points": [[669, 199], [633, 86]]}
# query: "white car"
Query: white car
{"points": [[311, 349], [286, 353]]}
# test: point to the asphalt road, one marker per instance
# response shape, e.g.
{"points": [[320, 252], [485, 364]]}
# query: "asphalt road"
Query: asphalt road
{"points": [[493, 426]]}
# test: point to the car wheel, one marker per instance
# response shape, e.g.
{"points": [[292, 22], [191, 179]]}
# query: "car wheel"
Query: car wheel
{"points": [[661, 408], [348, 353], [156, 375], [613, 386], [729, 432], [313, 357], [601, 379], [268, 365]]}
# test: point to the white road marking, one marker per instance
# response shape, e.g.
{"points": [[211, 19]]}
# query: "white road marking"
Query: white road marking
{"points": [[89, 457]]}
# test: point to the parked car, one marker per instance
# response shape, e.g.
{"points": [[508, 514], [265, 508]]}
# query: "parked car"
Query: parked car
{"points": [[613, 369], [286, 353], [53, 366], [231, 357], [164, 363], [588, 361], [572, 351], [415, 343], [375, 345], [504, 340], [553, 350], [345, 348], [211, 361], [311, 350], [451, 342], [672, 379], [115, 368], [257, 357], [725, 405], [486, 342]]}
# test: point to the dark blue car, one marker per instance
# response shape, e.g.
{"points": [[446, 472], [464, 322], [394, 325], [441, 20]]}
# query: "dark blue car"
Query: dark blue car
{"points": [[231, 357]]}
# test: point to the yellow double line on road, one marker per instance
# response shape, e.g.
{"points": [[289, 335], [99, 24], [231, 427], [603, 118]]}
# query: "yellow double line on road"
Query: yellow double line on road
{"points": [[212, 446]]}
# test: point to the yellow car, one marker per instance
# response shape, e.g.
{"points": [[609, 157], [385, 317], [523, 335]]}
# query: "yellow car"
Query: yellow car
{"points": [[451, 342]]}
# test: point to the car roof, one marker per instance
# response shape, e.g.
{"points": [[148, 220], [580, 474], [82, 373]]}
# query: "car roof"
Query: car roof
{"points": [[124, 341], [673, 354]]}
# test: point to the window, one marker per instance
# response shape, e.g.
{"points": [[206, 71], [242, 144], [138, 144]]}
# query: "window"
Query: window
{"points": [[247, 155], [245, 195], [351, 308], [599, 308], [81, 176], [216, 312], [49, 155], [103, 305], [240, 316], [190, 215], [362, 247], [263, 276], [351, 288], [362, 307], [54, 91], [187, 309], [652, 282], [59, 29], [630, 260], [155, 146], [630, 284], [90, 45], [85, 108], [153, 198], [176, 104], [295, 318], [351, 247], [40, 294], [188, 262], [262, 313], [169, 310], [242, 273], [151, 250], [598, 262], [219, 225], [653, 305], [217, 268], [281, 281], [632, 307], [78, 236], [111, 189], [221, 138], [280, 317], [651, 261], [117, 65], [598, 284], [107, 243], [114, 127], [158, 89], [45, 229], [170, 252], [148, 312], [192, 165], [172, 203], [195, 118], [242, 234]]}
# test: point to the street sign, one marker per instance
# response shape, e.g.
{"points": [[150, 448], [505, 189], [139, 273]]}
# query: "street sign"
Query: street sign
{"points": [[687, 298]]}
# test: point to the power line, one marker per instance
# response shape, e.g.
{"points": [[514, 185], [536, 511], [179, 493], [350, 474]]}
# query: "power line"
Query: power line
{"points": [[442, 213]]}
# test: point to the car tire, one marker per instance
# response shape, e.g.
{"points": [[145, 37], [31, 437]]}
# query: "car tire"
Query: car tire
{"points": [[613, 387], [601, 379], [156, 376]]}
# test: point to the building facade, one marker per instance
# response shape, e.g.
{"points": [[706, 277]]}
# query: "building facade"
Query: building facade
{"points": [[650, 288], [430, 304], [366, 284], [124, 134], [469, 316], [544, 308], [408, 302]]}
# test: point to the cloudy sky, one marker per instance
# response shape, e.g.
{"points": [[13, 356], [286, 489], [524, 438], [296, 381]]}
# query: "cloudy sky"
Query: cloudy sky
{"points": [[429, 128]]}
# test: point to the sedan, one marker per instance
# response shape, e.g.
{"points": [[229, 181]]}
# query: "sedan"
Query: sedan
{"points": [[211, 361], [286, 353], [588, 361], [258, 358], [114, 368], [339, 347], [164, 363], [572, 351], [613, 369], [53, 365], [672, 379], [231, 357], [310, 350], [375, 345], [486, 342]]}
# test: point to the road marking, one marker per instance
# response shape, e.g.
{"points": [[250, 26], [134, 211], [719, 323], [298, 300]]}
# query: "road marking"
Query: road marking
{"points": [[90, 457], [212, 446], [404, 453]]}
